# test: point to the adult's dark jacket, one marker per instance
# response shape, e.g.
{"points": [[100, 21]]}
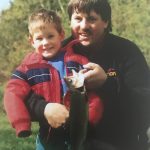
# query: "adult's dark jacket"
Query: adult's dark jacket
{"points": [[126, 94]]}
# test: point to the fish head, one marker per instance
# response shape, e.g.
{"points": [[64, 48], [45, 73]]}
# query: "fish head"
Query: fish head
{"points": [[75, 81]]}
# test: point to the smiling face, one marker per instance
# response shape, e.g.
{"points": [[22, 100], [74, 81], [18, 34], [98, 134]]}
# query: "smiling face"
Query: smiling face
{"points": [[46, 39], [89, 28]]}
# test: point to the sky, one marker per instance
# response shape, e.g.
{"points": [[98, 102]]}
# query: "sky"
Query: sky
{"points": [[4, 4]]}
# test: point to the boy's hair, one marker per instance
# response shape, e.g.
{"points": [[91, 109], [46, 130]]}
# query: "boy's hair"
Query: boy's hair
{"points": [[101, 7], [41, 16]]}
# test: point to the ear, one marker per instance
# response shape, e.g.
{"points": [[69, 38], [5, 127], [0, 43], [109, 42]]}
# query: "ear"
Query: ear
{"points": [[105, 24], [62, 35], [30, 39]]}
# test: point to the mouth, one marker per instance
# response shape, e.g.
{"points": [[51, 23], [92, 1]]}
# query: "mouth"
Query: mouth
{"points": [[84, 36], [47, 49]]}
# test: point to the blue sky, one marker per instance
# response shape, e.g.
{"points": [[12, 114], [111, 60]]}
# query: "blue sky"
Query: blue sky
{"points": [[4, 4]]}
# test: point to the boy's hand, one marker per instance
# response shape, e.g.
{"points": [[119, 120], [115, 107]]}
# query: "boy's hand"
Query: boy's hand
{"points": [[94, 75], [56, 114]]}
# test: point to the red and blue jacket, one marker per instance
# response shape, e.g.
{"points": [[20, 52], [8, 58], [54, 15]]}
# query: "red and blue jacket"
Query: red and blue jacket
{"points": [[36, 74]]}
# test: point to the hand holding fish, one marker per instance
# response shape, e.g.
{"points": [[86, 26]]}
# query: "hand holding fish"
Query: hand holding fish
{"points": [[94, 75], [56, 114]]}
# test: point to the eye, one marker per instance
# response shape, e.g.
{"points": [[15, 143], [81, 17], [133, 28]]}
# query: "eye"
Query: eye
{"points": [[39, 39], [50, 36], [78, 19], [92, 19]]}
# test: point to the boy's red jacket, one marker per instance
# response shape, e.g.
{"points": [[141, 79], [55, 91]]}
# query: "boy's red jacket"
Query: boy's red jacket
{"points": [[36, 74]]}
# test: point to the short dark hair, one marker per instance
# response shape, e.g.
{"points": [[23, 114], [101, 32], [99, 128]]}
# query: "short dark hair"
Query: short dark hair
{"points": [[101, 7]]}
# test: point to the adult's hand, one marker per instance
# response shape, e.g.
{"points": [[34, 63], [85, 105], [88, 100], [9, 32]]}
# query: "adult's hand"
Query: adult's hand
{"points": [[56, 114], [94, 75]]}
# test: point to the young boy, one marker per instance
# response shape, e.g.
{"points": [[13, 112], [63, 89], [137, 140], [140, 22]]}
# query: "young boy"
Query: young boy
{"points": [[43, 71]]}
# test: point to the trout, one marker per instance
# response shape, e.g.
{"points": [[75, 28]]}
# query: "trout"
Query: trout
{"points": [[78, 115]]}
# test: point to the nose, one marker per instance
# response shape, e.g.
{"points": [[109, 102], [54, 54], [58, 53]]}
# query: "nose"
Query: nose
{"points": [[84, 24], [45, 41]]}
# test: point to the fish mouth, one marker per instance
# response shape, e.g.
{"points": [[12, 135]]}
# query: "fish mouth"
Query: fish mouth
{"points": [[76, 81]]}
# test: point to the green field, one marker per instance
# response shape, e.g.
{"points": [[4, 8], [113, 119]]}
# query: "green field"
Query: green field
{"points": [[8, 139]]}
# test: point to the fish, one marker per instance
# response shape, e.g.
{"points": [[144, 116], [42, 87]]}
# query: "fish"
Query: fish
{"points": [[78, 112]]}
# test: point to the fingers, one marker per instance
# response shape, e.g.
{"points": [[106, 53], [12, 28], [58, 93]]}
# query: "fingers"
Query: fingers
{"points": [[92, 70], [94, 75], [56, 114], [90, 66], [56, 125]]}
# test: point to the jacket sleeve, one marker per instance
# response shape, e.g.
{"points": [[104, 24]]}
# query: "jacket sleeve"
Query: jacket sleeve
{"points": [[36, 105], [15, 93], [136, 79]]}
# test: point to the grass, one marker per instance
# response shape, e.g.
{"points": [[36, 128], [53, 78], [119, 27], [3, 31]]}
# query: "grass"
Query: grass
{"points": [[8, 139]]}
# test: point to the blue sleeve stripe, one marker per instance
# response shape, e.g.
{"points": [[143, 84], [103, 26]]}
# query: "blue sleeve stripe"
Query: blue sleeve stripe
{"points": [[33, 76], [37, 71], [38, 75], [18, 75]]}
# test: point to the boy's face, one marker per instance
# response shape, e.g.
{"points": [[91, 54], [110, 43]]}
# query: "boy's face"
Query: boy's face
{"points": [[47, 40], [89, 28]]}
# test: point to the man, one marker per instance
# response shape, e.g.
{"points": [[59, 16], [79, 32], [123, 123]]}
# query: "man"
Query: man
{"points": [[118, 73]]}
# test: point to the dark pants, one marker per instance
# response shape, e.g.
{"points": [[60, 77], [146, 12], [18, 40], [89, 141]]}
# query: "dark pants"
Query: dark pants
{"points": [[57, 145], [98, 145]]}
